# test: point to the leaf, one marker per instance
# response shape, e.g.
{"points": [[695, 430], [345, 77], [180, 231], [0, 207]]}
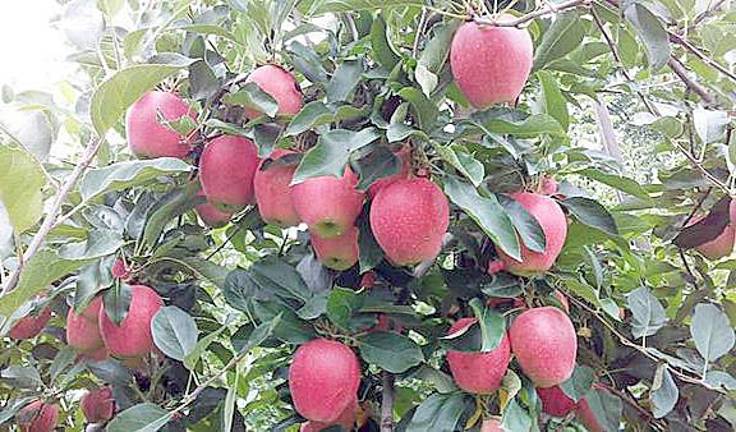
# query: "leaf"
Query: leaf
{"points": [[664, 393], [382, 50], [515, 418], [712, 332], [720, 380], [251, 96], [22, 179], [390, 351], [616, 181], [425, 110], [651, 32], [534, 125], [261, 333], [710, 125], [206, 29], [329, 156], [203, 82], [648, 313], [344, 80], [117, 302], [606, 408], [487, 213], [121, 90], [174, 332], [378, 164], [466, 164], [370, 253], [564, 35], [341, 305], [193, 357], [25, 377], [579, 384], [335, 6], [526, 225], [128, 174], [313, 114], [555, 103], [144, 417], [438, 413], [172, 205], [307, 62], [492, 325], [592, 214]]}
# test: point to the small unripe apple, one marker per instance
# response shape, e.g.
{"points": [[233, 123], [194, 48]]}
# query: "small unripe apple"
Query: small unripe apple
{"points": [[226, 171], [98, 405], [30, 326], [719, 247], [554, 225], [280, 85], [409, 219], [132, 338], [210, 215], [328, 205], [323, 379], [147, 137], [479, 372], [82, 333], [492, 424], [338, 253], [37, 417], [346, 420], [555, 402], [545, 345], [271, 186], [491, 64], [404, 154]]}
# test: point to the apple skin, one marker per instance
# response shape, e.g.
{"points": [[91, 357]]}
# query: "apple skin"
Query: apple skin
{"points": [[328, 205], [147, 138], [491, 64], [280, 85], [37, 417], [82, 333], [405, 155], [133, 337], [346, 420], [226, 171], [554, 225], [98, 405], [30, 326], [409, 219], [719, 247], [555, 402], [545, 345], [548, 186], [323, 379], [337, 253], [479, 373], [272, 191], [210, 215]]}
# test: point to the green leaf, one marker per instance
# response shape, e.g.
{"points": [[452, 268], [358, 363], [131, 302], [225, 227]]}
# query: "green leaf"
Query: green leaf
{"points": [[564, 35], [341, 305], [193, 357], [120, 91], [144, 417], [261, 333], [710, 125], [344, 80], [592, 214], [313, 114], [371, 253], [382, 50], [128, 174], [712, 332], [390, 351], [492, 325], [307, 62], [117, 301], [664, 393], [206, 29], [438, 413], [487, 213], [172, 205], [555, 103], [434, 56], [526, 225], [174, 332], [24, 377], [425, 110], [534, 125], [515, 418], [22, 179], [652, 33], [336, 6], [251, 96], [379, 163], [606, 408], [579, 384], [329, 156], [648, 313], [467, 165], [616, 181]]}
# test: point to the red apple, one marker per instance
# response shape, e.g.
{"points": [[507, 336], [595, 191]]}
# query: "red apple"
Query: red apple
{"points": [[82, 333], [226, 171], [478, 372], [280, 85], [98, 405], [346, 420], [491, 64], [323, 379], [719, 247], [132, 338], [147, 137], [30, 326], [548, 186], [328, 205], [210, 215], [119, 271], [555, 402], [272, 191], [37, 417], [338, 253], [405, 155], [545, 345]]}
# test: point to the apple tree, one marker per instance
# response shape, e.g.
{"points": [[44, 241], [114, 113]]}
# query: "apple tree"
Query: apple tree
{"points": [[374, 215]]}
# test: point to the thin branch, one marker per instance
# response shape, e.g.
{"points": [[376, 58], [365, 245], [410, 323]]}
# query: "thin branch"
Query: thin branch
{"points": [[48, 222], [420, 31], [713, 179], [674, 37], [679, 69], [549, 8], [698, 19], [387, 402]]}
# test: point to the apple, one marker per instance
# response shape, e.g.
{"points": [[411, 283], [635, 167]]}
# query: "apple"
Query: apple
{"points": [[719, 247], [280, 85], [271, 186], [492, 424], [478, 372], [147, 137], [404, 154], [37, 416], [338, 253], [226, 171], [98, 405], [30, 325], [555, 402], [211, 215], [132, 338], [346, 420], [83, 333]]}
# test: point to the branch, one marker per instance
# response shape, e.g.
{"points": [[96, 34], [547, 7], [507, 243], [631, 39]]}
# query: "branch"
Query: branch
{"points": [[387, 402], [674, 37], [679, 69], [549, 8], [53, 214]]}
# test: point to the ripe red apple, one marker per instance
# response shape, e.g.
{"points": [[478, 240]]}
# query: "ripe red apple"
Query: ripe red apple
{"points": [[210, 215], [98, 405], [719, 247], [226, 170], [554, 225], [30, 326], [132, 338], [323, 379], [328, 205], [82, 333], [338, 253], [491, 64], [555, 402], [147, 137], [545, 345], [272, 191], [479, 373], [37, 417], [586, 416], [409, 219], [405, 155], [280, 85], [346, 420], [492, 424], [548, 186]]}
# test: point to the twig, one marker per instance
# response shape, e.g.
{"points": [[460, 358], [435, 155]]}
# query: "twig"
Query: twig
{"points": [[679, 70], [420, 30], [674, 37], [53, 213], [387, 402], [698, 19], [713, 179], [547, 9]]}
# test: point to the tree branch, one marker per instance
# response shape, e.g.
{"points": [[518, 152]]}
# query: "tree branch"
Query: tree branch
{"points": [[53, 214], [674, 37], [387, 402], [549, 8], [679, 69]]}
